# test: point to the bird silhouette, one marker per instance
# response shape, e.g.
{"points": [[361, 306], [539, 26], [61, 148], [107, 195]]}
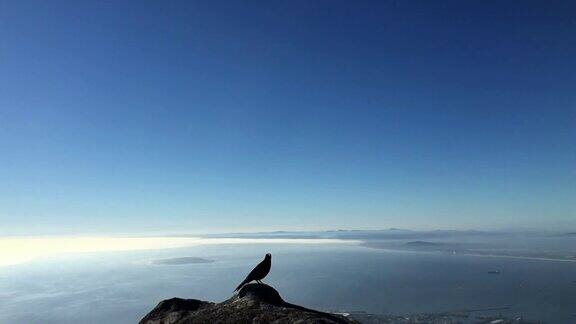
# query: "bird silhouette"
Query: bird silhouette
{"points": [[259, 272]]}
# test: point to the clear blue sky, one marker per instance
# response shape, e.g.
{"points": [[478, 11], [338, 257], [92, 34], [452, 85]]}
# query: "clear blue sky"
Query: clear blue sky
{"points": [[195, 116]]}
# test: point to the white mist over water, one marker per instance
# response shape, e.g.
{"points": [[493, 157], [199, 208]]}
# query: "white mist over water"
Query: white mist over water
{"points": [[25, 249]]}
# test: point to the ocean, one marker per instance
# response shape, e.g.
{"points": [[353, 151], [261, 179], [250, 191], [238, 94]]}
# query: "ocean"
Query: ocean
{"points": [[122, 286]]}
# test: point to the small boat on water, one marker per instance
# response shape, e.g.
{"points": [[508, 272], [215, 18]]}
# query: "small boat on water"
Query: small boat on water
{"points": [[494, 272]]}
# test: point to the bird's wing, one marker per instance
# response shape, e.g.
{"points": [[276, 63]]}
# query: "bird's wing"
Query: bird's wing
{"points": [[255, 273], [251, 276]]}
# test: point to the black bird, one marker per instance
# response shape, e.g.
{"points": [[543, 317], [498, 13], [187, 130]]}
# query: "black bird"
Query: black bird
{"points": [[259, 272]]}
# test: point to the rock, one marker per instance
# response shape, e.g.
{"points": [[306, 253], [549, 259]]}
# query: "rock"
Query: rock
{"points": [[254, 303], [260, 292]]}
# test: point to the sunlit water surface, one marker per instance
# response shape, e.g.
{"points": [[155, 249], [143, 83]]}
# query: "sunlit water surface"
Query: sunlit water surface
{"points": [[120, 284]]}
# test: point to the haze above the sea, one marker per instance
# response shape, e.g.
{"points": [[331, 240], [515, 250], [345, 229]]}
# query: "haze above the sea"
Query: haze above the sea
{"points": [[17, 250]]}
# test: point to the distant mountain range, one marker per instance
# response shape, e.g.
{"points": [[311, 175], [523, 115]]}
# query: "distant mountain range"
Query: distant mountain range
{"points": [[384, 234], [422, 244]]}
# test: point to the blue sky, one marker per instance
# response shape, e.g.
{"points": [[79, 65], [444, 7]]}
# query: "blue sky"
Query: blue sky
{"points": [[207, 116]]}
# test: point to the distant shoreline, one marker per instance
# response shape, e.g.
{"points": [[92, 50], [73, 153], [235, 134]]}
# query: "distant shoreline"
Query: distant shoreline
{"points": [[459, 253]]}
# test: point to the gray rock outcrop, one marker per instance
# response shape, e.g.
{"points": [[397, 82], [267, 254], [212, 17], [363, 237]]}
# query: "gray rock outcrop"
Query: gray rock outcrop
{"points": [[254, 303]]}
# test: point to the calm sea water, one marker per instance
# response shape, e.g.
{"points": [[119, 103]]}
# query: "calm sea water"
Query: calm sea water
{"points": [[121, 287]]}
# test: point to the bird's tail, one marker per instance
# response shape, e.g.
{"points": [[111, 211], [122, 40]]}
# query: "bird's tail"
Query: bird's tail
{"points": [[242, 284]]}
